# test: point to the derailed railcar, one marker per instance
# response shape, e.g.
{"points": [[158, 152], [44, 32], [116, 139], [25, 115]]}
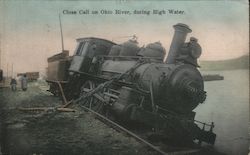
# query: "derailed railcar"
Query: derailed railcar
{"points": [[57, 71], [135, 84]]}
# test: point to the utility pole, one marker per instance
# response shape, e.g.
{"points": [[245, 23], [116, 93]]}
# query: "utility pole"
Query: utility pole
{"points": [[7, 75], [0, 51], [61, 32], [12, 70]]}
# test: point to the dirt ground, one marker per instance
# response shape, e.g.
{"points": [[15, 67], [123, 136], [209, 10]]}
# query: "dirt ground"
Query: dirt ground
{"points": [[52, 132]]}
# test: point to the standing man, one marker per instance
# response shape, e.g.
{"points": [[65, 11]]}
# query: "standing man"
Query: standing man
{"points": [[24, 82], [13, 84]]}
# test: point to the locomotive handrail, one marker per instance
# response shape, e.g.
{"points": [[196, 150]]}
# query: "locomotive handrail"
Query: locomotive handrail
{"points": [[125, 83], [132, 57]]}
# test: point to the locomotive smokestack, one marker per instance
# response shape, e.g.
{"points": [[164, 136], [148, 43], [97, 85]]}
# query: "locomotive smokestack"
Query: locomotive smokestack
{"points": [[180, 34]]}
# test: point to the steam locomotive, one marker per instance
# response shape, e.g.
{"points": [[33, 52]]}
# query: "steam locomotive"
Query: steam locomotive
{"points": [[137, 85]]}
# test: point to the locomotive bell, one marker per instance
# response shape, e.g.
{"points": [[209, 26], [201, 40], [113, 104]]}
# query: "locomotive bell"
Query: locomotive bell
{"points": [[181, 31]]}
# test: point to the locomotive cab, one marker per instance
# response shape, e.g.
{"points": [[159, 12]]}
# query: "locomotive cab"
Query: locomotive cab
{"points": [[86, 50]]}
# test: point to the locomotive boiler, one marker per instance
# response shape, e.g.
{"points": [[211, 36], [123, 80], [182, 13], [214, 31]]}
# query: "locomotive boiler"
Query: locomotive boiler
{"points": [[134, 84]]}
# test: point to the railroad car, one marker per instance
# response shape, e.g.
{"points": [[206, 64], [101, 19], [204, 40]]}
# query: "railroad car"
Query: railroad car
{"points": [[31, 76]]}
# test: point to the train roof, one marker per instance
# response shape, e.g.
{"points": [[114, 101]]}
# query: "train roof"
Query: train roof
{"points": [[94, 38]]}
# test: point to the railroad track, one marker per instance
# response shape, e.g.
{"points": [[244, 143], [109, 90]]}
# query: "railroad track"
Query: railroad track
{"points": [[137, 137], [115, 125]]}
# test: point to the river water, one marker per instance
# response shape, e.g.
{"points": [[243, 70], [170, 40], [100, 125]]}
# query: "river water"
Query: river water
{"points": [[227, 105]]}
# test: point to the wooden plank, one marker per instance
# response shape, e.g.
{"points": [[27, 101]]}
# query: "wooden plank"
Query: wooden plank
{"points": [[63, 95]]}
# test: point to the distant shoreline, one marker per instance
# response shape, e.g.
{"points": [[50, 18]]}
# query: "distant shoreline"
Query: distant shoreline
{"points": [[231, 64]]}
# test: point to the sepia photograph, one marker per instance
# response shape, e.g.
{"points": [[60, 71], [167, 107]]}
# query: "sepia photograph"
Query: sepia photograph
{"points": [[124, 77]]}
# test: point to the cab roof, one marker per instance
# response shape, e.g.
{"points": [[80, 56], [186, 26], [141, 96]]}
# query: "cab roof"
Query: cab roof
{"points": [[94, 38]]}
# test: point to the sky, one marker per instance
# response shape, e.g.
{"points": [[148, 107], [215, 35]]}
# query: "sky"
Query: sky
{"points": [[30, 32]]}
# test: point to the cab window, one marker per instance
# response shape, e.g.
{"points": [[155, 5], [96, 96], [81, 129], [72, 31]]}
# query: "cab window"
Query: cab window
{"points": [[97, 49], [81, 49]]}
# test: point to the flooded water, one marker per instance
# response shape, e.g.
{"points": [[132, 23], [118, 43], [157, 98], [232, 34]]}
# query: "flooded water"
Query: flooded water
{"points": [[227, 105]]}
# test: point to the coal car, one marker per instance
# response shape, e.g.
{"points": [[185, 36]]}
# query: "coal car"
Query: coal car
{"points": [[134, 84]]}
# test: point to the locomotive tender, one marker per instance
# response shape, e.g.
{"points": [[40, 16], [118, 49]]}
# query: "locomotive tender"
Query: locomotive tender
{"points": [[136, 84]]}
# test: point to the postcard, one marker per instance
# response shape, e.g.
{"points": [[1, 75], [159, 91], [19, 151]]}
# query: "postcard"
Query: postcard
{"points": [[124, 77]]}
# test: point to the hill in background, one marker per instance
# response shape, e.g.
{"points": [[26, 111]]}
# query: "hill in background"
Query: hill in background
{"points": [[237, 63]]}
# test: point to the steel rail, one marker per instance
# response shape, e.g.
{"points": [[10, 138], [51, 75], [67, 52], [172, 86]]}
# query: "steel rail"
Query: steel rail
{"points": [[181, 152], [126, 131]]}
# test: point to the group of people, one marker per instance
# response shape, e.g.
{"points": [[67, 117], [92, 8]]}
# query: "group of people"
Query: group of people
{"points": [[23, 81]]}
